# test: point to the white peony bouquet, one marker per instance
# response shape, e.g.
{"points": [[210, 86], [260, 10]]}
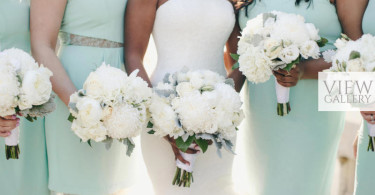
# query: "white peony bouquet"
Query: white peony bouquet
{"points": [[195, 108], [25, 89], [273, 41], [110, 106], [354, 56]]}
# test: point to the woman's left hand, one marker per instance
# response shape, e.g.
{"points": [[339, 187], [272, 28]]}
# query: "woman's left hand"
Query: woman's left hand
{"points": [[288, 79], [369, 116]]}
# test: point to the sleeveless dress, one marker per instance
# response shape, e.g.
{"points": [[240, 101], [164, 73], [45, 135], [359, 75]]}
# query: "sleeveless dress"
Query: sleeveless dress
{"points": [[192, 34], [294, 154], [365, 170], [29, 174], [74, 167]]}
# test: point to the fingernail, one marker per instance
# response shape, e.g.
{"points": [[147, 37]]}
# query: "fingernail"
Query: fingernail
{"points": [[14, 116]]}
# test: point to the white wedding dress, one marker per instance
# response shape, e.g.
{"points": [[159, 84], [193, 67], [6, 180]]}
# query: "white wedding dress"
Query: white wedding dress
{"points": [[192, 34]]}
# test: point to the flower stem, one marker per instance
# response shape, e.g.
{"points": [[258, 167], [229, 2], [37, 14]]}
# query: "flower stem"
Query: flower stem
{"points": [[283, 109], [182, 178], [12, 152], [370, 144]]}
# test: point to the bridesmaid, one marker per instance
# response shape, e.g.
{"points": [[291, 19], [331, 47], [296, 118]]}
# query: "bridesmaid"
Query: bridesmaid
{"points": [[91, 31], [29, 174], [294, 154], [365, 160]]}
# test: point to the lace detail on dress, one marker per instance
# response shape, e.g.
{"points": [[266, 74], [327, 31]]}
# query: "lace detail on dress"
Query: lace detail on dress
{"points": [[72, 39]]}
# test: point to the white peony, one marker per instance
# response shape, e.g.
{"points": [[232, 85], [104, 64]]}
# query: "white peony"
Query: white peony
{"points": [[20, 60], [9, 90], [36, 88], [105, 83], [313, 31], [96, 132], [196, 112], [255, 65], [289, 54], [164, 118], [185, 88], [89, 111], [125, 121]]}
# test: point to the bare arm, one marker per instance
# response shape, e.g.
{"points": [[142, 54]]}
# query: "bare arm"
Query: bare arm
{"points": [[45, 21], [350, 15], [231, 47], [139, 21]]}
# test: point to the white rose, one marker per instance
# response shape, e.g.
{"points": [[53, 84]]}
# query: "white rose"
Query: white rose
{"points": [[355, 65], [89, 111], [272, 48], [310, 49], [36, 88], [125, 121], [289, 54]]}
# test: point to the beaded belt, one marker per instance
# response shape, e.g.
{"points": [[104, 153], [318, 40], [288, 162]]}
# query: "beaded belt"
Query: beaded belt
{"points": [[72, 39]]}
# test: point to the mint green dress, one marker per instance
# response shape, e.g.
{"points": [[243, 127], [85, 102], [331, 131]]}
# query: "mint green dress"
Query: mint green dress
{"points": [[75, 167], [365, 172], [29, 174], [294, 154]]}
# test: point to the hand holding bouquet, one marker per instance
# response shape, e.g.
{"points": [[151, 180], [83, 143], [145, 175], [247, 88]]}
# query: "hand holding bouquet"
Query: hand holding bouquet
{"points": [[110, 106], [25, 89], [195, 108], [354, 56], [273, 41]]}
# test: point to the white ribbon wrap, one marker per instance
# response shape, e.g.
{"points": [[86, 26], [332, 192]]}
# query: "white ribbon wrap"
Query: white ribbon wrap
{"points": [[189, 157], [371, 129], [12, 140], [282, 93]]}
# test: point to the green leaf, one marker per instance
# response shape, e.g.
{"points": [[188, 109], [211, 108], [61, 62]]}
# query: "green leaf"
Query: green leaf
{"points": [[344, 36], [71, 118], [322, 42], [29, 118], [235, 56], [235, 66], [89, 142], [290, 65], [151, 132], [183, 146], [202, 143], [130, 146], [150, 125], [354, 55]]}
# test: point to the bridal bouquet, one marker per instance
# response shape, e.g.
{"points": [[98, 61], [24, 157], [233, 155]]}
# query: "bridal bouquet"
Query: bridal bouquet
{"points": [[273, 41], [195, 108], [25, 89], [354, 56], [110, 106]]}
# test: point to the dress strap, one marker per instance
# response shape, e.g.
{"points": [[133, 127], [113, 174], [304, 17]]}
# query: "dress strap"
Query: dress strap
{"points": [[78, 40]]}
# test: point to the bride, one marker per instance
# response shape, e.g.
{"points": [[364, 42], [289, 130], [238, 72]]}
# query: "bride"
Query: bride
{"points": [[187, 33]]}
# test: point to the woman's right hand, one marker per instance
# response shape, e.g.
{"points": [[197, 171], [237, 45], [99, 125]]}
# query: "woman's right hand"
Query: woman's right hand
{"points": [[7, 124], [176, 150]]}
